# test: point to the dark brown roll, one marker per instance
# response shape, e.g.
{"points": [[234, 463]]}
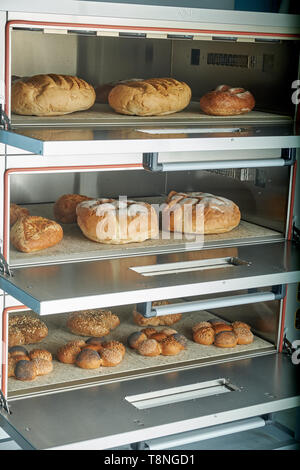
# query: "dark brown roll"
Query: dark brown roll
{"points": [[227, 101]]}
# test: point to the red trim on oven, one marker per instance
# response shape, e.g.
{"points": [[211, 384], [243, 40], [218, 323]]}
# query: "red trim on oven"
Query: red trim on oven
{"points": [[293, 190], [5, 313]]}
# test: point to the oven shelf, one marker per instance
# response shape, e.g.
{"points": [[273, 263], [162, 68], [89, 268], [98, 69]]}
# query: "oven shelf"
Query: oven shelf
{"points": [[76, 247], [101, 131]]}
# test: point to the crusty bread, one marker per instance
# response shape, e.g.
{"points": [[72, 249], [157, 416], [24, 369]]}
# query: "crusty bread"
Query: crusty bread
{"points": [[34, 233], [65, 207], [199, 213], [117, 222], [16, 212], [51, 95], [102, 91], [227, 101], [151, 97], [25, 329]]}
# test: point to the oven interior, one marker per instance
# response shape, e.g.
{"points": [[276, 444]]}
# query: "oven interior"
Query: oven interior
{"points": [[267, 68]]}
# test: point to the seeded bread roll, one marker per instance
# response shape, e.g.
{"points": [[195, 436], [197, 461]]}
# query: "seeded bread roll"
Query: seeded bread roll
{"points": [[34, 233], [51, 95], [151, 97], [25, 329], [92, 322]]}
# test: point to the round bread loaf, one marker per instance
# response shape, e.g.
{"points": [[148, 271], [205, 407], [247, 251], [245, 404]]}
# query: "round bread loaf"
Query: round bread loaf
{"points": [[173, 345], [51, 95], [25, 370], [88, 359], [65, 207], [34, 233], [201, 324], [92, 322], [111, 357], [68, 353], [204, 335], [199, 213], [151, 97], [163, 320], [42, 366], [117, 221], [40, 354], [225, 339], [244, 335], [227, 101], [16, 212], [25, 329], [149, 347], [135, 339]]}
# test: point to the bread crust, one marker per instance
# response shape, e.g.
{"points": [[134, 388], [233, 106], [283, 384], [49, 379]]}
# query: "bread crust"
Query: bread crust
{"points": [[199, 213], [102, 91], [227, 101], [25, 329], [225, 339], [92, 322], [34, 233], [151, 97], [51, 95], [117, 222], [65, 207], [16, 212]]}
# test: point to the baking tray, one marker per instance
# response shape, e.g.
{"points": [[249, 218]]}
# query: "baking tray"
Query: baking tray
{"points": [[68, 376], [104, 115], [76, 247]]}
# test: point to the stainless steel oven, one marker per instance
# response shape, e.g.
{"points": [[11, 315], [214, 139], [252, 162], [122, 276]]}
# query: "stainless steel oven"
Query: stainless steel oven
{"points": [[251, 273]]}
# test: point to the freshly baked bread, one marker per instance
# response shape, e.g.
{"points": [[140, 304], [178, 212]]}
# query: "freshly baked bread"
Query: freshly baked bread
{"points": [[25, 329], [149, 347], [88, 359], [68, 353], [115, 346], [222, 327], [40, 354], [163, 320], [240, 324], [51, 95], [173, 344], [201, 324], [25, 370], [102, 91], [151, 97], [204, 335], [199, 213], [135, 339], [17, 350], [227, 101], [225, 339], [16, 212], [111, 357], [244, 335], [65, 207], [42, 366], [117, 222], [92, 322], [34, 233]]}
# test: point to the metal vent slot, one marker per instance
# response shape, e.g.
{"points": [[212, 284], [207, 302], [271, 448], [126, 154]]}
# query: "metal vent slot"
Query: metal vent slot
{"points": [[228, 60], [169, 396], [187, 266], [206, 130]]}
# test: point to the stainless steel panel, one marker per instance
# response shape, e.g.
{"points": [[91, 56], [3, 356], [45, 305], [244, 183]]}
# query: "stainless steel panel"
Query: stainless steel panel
{"points": [[75, 418], [76, 286]]}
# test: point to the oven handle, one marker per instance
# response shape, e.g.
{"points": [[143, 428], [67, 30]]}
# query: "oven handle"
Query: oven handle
{"points": [[150, 163], [148, 310]]}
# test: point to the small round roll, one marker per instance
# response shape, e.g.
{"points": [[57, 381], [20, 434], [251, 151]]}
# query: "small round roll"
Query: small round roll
{"points": [[115, 345], [240, 324], [244, 335], [88, 359], [17, 350], [204, 335], [68, 353], [135, 339], [225, 339], [227, 101], [201, 324], [40, 354], [149, 347], [65, 207], [43, 366], [25, 370], [111, 357], [173, 344], [222, 327], [159, 336]]}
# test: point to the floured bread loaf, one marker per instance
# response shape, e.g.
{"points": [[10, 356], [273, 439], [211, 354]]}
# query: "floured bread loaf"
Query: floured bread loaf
{"points": [[199, 213], [151, 97], [51, 95], [117, 221], [227, 101]]}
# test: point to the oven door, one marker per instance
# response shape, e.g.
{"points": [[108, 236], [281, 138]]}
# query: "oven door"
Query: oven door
{"points": [[65, 287], [140, 409]]}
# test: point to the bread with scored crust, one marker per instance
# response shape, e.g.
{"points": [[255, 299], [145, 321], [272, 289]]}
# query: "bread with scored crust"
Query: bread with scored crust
{"points": [[151, 97], [34, 233], [51, 95]]}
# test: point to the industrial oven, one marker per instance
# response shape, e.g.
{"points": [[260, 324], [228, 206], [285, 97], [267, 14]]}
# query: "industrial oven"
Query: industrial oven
{"points": [[250, 274]]}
